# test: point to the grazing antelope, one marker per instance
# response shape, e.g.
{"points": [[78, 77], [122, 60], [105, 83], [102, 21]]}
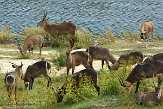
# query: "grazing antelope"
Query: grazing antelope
{"points": [[35, 70], [141, 71], [89, 72], [158, 56], [151, 98], [56, 30], [75, 59], [12, 79], [146, 28], [102, 54], [29, 43], [128, 59]]}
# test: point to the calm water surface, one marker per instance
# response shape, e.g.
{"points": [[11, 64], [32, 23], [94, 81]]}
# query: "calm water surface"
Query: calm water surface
{"points": [[95, 16]]}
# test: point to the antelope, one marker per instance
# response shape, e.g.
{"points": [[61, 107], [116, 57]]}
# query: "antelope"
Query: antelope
{"points": [[128, 59], [89, 72], [151, 98], [56, 30], [102, 54], [35, 70], [29, 43], [12, 79], [75, 59], [146, 28], [158, 56], [142, 71]]}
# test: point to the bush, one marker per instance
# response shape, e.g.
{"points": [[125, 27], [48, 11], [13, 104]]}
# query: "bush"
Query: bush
{"points": [[59, 60], [5, 35], [86, 90]]}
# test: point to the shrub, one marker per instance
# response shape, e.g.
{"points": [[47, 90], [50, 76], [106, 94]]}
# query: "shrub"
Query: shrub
{"points": [[5, 34], [59, 60], [86, 90]]}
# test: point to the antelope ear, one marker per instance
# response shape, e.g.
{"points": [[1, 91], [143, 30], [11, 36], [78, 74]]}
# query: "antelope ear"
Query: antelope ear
{"points": [[21, 64], [14, 66]]}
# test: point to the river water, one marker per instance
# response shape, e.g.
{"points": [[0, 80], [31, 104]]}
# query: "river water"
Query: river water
{"points": [[96, 16]]}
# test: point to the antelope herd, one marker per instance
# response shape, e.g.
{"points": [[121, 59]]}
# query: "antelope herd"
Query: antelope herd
{"points": [[147, 67]]}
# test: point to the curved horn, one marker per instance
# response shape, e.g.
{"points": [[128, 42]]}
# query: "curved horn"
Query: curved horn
{"points": [[121, 81], [45, 14], [160, 82]]}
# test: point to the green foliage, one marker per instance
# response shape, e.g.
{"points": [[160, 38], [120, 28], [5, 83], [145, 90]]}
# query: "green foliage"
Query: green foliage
{"points": [[106, 38], [59, 60], [30, 31], [132, 36], [5, 35], [25, 56], [86, 90], [109, 83], [84, 39]]}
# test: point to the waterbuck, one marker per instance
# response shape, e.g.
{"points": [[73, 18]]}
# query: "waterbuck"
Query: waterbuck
{"points": [[146, 28], [158, 56], [35, 70], [76, 58], [151, 98], [56, 30], [128, 59], [12, 79], [29, 43], [89, 72], [100, 53], [141, 71]]}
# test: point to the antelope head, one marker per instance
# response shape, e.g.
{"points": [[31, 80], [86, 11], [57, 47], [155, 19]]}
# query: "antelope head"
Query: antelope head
{"points": [[128, 86], [158, 90], [44, 21], [18, 69]]}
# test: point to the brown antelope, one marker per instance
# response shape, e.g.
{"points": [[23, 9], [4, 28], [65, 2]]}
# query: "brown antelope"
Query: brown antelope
{"points": [[12, 79], [128, 59], [146, 28], [151, 98], [158, 56], [75, 59], [89, 72], [102, 54], [141, 71], [29, 43], [56, 30], [35, 70]]}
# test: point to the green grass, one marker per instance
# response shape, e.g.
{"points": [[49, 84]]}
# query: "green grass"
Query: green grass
{"points": [[112, 94]]}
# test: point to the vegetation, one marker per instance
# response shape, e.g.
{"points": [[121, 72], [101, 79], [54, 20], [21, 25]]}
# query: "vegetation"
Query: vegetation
{"points": [[112, 94]]}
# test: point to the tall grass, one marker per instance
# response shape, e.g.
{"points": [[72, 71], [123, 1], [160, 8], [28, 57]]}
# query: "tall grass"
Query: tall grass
{"points": [[5, 35]]}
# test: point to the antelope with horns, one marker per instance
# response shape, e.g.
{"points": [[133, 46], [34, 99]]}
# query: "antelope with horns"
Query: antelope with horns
{"points": [[146, 28], [12, 79], [142, 71], [76, 58], [128, 59], [158, 56], [35, 70], [151, 98], [102, 54], [89, 72], [29, 43], [56, 30]]}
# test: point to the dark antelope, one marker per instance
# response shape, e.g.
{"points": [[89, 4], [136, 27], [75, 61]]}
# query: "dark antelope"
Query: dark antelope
{"points": [[128, 59], [12, 79], [102, 54], [141, 71], [56, 30], [158, 56], [76, 58], [76, 77], [146, 28], [29, 43], [35, 70], [151, 98]]}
